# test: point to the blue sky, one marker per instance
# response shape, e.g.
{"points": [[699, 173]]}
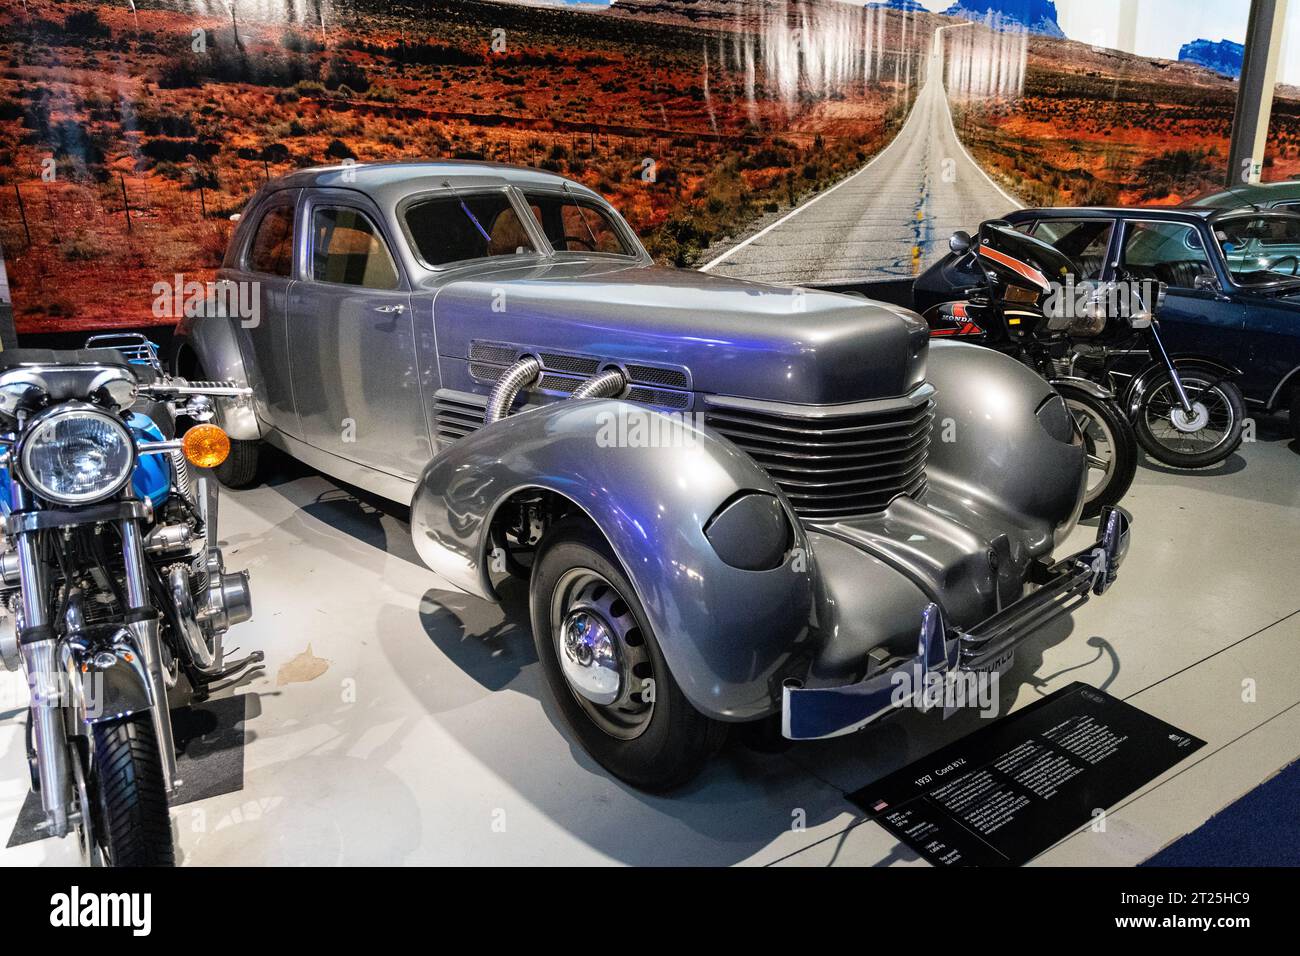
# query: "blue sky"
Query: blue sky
{"points": [[1162, 25]]}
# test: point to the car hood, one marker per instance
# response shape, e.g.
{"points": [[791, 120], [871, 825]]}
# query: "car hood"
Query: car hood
{"points": [[738, 338]]}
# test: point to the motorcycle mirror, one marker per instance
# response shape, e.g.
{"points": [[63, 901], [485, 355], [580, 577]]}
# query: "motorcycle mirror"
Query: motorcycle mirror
{"points": [[960, 242]]}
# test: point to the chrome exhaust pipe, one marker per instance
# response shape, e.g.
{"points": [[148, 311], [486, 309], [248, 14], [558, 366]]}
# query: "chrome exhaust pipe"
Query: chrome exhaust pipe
{"points": [[607, 384], [523, 374], [178, 583]]}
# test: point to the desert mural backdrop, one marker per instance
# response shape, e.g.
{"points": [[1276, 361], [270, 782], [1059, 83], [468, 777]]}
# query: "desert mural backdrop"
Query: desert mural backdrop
{"points": [[130, 132]]}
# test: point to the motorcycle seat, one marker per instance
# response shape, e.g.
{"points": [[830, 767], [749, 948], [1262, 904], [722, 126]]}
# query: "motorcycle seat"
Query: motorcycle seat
{"points": [[18, 358]]}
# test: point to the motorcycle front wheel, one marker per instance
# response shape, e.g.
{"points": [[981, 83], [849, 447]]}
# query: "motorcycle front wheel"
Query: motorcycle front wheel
{"points": [[1208, 435], [132, 826], [1109, 445]]}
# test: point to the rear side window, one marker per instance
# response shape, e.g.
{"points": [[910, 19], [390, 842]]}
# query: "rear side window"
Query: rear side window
{"points": [[271, 251], [347, 249], [460, 228]]}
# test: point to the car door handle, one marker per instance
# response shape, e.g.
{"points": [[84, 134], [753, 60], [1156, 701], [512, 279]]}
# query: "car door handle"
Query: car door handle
{"points": [[390, 308]]}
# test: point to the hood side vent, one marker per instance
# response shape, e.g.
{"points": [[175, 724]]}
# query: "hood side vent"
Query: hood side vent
{"points": [[562, 372], [457, 414]]}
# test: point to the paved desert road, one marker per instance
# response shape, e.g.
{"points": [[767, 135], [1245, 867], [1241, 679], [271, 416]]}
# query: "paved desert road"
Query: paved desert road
{"points": [[890, 218]]}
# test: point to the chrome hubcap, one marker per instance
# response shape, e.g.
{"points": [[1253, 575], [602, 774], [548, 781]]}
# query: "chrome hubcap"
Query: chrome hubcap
{"points": [[1198, 419], [590, 656], [1210, 425], [602, 653]]}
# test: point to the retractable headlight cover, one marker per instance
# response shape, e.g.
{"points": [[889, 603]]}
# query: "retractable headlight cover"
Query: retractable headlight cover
{"points": [[76, 455]]}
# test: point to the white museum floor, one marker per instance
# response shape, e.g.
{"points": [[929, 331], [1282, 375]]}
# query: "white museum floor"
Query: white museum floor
{"points": [[397, 722]]}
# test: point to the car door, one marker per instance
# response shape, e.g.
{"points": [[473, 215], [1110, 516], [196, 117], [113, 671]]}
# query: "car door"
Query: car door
{"points": [[1272, 348], [355, 375], [1204, 320], [266, 263]]}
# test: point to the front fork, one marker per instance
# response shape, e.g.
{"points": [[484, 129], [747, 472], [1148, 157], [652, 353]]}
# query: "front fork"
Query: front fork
{"points": [[52, 699], [144, 623], [40, 655], [1158, 346]]}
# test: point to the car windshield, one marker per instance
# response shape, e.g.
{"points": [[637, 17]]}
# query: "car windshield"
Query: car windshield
{"points": [[572, 224], [1261, 250], [466, 226]]}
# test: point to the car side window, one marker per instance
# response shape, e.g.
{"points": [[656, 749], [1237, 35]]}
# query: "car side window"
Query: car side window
{"points": [[271, 251], [347, 249], [1085, 241], [1170, 252]]}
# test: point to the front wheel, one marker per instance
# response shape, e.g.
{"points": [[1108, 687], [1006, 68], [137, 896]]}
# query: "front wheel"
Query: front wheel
{"points": [[604, 667], [1109, 446], [1205, 436], [132, 826]]}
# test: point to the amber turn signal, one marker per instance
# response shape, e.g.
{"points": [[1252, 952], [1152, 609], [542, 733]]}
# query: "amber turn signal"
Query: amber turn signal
{"points": [[205, 446]]}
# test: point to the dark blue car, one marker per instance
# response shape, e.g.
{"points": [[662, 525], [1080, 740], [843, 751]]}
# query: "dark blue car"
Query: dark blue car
{"points": [[1233, 280]]}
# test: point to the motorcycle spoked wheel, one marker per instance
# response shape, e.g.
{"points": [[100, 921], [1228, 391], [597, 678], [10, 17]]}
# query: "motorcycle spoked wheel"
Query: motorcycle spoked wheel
{"points": [[1110, 447], [1211, 434], [129, 824]]}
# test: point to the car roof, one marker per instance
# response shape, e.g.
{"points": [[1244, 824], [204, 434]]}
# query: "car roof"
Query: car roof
{"points": [[1247, 193], [1110, 212], [392, 181], [1209, 214]]}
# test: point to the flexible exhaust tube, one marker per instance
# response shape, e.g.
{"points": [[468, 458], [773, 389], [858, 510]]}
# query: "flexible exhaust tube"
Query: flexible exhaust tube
{"points": [[608, 384], [522, 374]]}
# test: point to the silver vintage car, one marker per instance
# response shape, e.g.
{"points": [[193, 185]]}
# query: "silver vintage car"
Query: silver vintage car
{"points": [[733, 502]]}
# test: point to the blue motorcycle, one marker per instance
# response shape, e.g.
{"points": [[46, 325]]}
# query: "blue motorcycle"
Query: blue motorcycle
{"points": [[113, 593]]}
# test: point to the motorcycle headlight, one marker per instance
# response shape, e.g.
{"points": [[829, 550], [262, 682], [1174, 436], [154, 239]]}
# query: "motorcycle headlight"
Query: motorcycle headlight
{"points": [[76, 456]]}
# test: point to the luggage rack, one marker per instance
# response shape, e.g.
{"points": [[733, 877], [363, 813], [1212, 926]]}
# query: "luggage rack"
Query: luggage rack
{"points": [[135, 347]]}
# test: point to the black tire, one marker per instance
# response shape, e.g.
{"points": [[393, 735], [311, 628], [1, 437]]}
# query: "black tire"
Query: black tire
{"points": [[1295, 413], [132, 825], [1102, 417], [241, 467], [676, 740], [1194, 382]]}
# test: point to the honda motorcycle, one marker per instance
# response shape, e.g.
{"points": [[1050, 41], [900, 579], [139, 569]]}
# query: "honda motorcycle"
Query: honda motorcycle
{"points": [[1185, 413], [114, 598], [1006, 312]]}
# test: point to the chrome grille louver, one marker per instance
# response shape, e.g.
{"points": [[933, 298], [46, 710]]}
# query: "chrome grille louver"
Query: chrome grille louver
{"points": [[457, 414], [834, 462]]}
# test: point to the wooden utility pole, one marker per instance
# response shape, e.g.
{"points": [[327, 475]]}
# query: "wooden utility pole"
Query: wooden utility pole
{"points": [[22, 211], [126, 205]]}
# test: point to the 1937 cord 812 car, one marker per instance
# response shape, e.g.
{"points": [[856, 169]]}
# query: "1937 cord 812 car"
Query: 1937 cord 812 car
{"points": [[726, 495]]}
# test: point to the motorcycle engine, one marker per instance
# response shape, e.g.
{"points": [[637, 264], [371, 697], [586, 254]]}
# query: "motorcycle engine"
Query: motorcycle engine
{"points": [[1086, 326]]}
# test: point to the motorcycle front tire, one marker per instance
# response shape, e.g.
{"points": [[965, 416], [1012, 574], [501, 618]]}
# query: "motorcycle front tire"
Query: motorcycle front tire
{"points": [[1194, 383], [1103, 417], [132, 824]]}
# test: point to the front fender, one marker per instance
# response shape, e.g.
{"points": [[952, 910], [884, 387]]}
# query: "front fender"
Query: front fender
{"points": [[725, 633], [214, 341], [1154, 371], [109, 684], [992, 450]]}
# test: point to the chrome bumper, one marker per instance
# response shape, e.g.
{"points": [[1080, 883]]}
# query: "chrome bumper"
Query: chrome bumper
{"points": [[809, 713]]}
